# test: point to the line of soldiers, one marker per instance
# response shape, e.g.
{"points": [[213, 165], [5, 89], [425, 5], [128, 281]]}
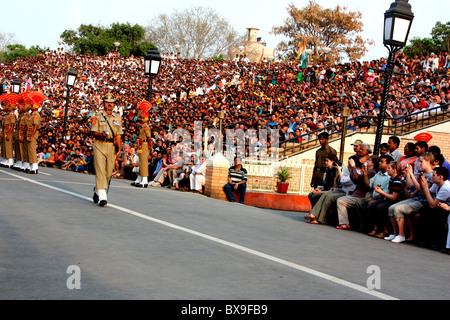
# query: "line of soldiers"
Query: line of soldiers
{"points": [[20, 133]]}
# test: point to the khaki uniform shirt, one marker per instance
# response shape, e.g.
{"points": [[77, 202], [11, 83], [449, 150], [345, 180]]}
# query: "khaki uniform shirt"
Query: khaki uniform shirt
{"points": [[34, 119], [100, 123]]}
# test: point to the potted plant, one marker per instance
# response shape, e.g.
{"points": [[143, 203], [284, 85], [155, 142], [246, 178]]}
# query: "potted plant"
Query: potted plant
{"points": [[283, 175]]}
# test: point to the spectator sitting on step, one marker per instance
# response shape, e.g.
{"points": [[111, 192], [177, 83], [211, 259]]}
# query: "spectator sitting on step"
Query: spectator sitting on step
{"points": [[237, 181]]}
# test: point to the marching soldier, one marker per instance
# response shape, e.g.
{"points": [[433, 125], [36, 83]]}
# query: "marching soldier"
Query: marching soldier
{"points": [[107, 130], [7, 134], [32, 134], [145, 144]]}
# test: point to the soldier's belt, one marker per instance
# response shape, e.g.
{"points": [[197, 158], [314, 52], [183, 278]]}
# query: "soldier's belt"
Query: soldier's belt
{"points": [[106, 140]]}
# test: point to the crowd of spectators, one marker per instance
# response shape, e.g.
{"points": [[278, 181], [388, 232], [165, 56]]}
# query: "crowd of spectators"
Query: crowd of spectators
{"points": [[267, 95], [396, 197], [278, 95]]}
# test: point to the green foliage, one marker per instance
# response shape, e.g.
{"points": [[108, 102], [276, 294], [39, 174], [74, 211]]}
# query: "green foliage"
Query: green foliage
{"points": [[439, 41], [420, 47], [18, 51], [97, 40], [284, 174]]}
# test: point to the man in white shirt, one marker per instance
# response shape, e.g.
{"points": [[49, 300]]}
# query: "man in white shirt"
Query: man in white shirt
{"points": [[198, 176]]}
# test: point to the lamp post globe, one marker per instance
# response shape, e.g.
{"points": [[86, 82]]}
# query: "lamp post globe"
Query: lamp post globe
{"points": [[397, 24], [152, 63], [15, 86]]}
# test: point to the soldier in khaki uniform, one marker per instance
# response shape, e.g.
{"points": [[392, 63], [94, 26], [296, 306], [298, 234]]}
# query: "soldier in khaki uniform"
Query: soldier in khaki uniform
{"points": [[26, 105], [145, 144], [7, 133], [32, 134], [17, 145], [107, 130]]}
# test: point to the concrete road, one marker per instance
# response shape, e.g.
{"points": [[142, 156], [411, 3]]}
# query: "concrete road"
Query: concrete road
{"points": [[161, 244]]}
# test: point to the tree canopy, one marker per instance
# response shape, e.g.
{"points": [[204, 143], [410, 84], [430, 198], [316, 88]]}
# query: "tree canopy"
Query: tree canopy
{"points": [[200, 32], [337, 29], [98, 40], [18, 51], [439, 41]]}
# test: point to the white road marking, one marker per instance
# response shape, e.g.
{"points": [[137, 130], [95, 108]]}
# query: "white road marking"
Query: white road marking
{"points": [[226, 243]]}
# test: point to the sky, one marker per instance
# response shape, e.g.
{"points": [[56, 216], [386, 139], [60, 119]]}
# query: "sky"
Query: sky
{"points": [[42, 22]]}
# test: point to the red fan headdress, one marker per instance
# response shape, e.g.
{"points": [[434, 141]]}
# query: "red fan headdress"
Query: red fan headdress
{"points": [[423, 137], [8, 98], [24, 98], [144, 107], [38, 97]]}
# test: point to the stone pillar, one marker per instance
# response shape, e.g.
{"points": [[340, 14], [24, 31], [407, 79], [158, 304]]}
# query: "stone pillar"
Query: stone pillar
{"points": [[216, 176]]}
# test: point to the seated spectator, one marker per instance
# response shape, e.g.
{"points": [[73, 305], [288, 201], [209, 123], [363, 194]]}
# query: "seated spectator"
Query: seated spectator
{"points": [[198, 176], [356, 200], [393, 195], [90, 162], [329, 183], [435, 150], [343, 186], [237, 181], [60, 156], [364, 152], [70, 164], [80, 164], [434, 217], [394, 144], [414, 200], [446, 211], [384, 148], [160, 175], [410, 155], [421, 148], [129, 167], [49, 159], [181, 181]]}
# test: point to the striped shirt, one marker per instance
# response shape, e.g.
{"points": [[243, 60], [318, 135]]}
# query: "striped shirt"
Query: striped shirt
{"points": [[237, 175]]}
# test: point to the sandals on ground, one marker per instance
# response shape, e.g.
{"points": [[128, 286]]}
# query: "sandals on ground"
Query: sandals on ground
{"points": [[343, 227], [309, 217], [313, 221]]}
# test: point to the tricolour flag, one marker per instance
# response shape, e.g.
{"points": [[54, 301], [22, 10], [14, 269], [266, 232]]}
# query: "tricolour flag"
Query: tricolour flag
{"points": [[302, 55]]}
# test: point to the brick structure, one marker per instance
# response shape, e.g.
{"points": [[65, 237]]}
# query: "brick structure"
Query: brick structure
{"points": [[216, 176]]}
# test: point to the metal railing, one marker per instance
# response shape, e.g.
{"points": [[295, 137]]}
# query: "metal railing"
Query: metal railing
{"points": [[392, 126]]}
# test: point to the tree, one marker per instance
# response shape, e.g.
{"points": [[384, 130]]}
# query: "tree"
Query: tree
{"points": [[439, 41], [441, 35], [200, 32], [98, 40], [17, 51], [5, 40], [338, 29]]}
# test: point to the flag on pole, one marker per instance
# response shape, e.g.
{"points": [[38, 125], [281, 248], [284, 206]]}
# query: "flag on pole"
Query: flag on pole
{"points": [[302, 55]]}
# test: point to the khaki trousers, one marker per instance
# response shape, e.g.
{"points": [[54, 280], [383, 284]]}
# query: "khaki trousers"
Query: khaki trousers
{"points": [[104, 161], [23, 151], [143, 160], [31, 150]]}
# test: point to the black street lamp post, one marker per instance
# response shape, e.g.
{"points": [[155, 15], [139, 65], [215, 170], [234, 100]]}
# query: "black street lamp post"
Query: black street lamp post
{"points": [[152, 62], [71, 77], [397, 23]]}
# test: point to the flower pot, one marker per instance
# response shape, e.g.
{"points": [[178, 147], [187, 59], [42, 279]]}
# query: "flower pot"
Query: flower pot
{"points": [[282, 187]]}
